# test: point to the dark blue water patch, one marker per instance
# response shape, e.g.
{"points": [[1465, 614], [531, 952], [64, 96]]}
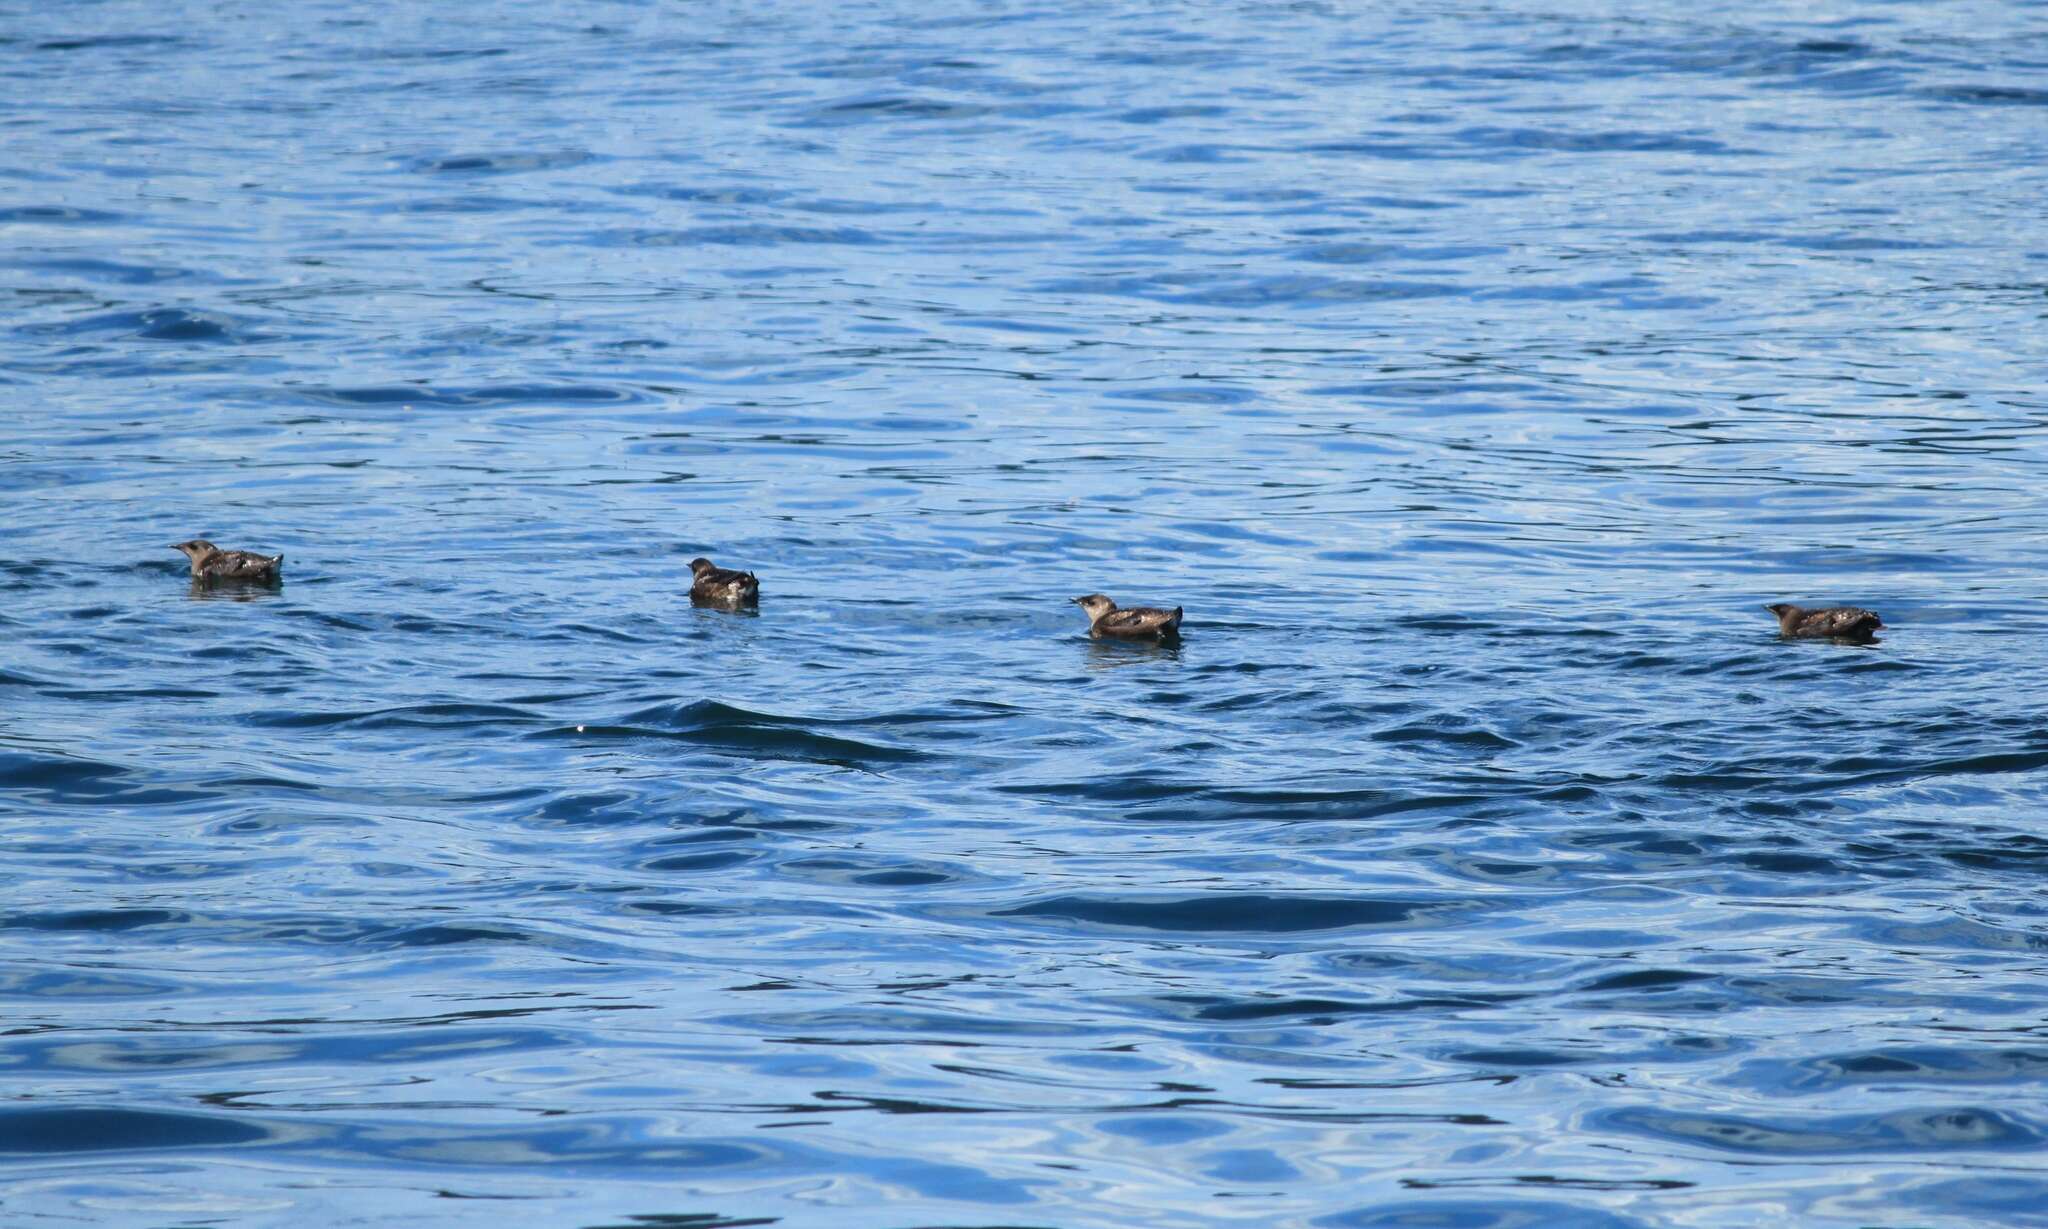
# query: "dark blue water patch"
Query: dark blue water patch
{"points": [[1860, 243], [680, 909], [95, 42], [1525, 1058], [740, 732], [477, 397], [1231, 913], [1313, 1012], [38, 1130], [61, 778], [874, 872], [1988, 95], [1553, 1182], [1449, 733], [707, 861], [57, 215], [1910, 1132], [1160, 115], [499, 163], [94, 920], [884, 107], [444, 936], [366, 934], [1918, 1066], [167, 324], [1641, 981]]}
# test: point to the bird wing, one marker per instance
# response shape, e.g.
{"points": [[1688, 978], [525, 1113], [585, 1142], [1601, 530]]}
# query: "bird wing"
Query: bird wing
{"points": [[1140, 618], [725, 584], [242, 565], [1842, 621]]}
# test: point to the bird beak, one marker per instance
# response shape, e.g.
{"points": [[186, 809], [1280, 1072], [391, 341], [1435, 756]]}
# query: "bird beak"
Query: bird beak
{"points": [[1075, 600]]}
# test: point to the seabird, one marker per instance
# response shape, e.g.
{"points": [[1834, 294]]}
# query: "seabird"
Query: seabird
{"points": [[1831, 623], [210, 563], [1136, 623], [716, 586]]}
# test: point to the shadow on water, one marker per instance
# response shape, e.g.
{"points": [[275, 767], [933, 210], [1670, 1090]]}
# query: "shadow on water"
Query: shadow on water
{"points": [[233, 590], [1108, 654]]}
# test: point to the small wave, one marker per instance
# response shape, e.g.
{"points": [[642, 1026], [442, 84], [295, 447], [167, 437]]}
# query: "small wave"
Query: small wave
{"points": [[93, 42], [97, 1129], [1961, 1129], [895, 107], [474, 397], [158, 324], [408, 716], [1988, 95], [1229, 913], [709, 723], [499, 163], [58, 215], [104, 920]]}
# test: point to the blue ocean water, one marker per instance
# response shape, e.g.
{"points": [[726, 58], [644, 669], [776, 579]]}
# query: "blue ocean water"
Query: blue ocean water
{"points": [[1472, 374]]}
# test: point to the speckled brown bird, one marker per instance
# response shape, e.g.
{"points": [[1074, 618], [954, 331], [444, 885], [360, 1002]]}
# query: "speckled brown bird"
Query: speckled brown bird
{"points": [[1831, 623], [1136, 623], [211, 564], [717, 586]]}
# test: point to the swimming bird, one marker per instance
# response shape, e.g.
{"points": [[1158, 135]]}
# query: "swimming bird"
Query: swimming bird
{"points": [[717, 586], [1136, 623], [1832, 623], [211, 564]]}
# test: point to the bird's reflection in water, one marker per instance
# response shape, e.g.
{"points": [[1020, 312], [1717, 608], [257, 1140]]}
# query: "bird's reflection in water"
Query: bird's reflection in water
{"points": [[232, 591], [729, 606], [1111, 654]]}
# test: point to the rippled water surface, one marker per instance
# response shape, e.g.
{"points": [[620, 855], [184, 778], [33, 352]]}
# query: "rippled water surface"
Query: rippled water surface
{"points": [[1472, 374]]}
